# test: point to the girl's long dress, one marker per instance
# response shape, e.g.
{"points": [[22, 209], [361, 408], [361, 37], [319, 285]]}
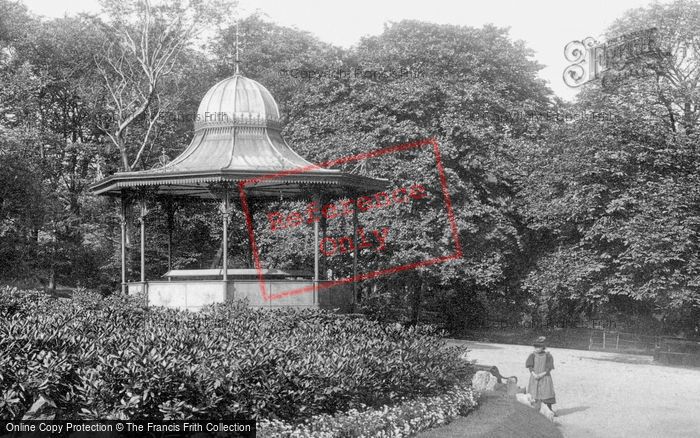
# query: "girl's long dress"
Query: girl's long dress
{"points": [[542, 389]]}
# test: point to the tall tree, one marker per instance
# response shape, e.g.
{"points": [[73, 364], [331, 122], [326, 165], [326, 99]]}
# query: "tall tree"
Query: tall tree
{"points": [[464, 86], [20, 186], [613, 196], [674, 83], [145, 44]]}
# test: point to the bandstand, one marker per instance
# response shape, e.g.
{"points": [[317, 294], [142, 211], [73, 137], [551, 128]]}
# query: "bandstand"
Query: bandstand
{"points": [[237, 138]]}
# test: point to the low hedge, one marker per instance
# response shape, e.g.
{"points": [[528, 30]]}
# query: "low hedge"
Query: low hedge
{"points": [[111, 358], [390, 421]]}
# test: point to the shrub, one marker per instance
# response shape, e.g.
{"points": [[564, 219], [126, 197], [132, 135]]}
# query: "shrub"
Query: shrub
{"points": [[98, 358]]}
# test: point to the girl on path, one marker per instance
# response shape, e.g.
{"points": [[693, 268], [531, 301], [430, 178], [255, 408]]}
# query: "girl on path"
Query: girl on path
{"points": [[541, 363]]}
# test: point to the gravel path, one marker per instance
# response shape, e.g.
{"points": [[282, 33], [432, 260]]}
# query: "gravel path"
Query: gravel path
{"points": [[608, 394], [498, 416]]}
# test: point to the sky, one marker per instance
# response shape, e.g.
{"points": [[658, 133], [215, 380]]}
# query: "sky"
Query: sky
{"points": [[545, 25]]}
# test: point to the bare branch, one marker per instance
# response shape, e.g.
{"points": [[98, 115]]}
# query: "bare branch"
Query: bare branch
{"points": [[151, 124], [146, 43]]}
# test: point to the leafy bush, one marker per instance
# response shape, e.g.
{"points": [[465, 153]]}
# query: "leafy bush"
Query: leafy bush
{"points": [[396, 421], [112, 358]]}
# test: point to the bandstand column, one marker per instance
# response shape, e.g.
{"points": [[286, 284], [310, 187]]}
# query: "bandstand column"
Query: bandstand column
{"points": [[323, 263], [122, 218], [355, 223], [142, 219], [224, 214], [317, 200], [171, 224]]}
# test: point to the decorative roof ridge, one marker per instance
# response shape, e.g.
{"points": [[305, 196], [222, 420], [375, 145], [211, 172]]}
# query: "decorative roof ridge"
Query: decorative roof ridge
{"points": [[235, 121]]}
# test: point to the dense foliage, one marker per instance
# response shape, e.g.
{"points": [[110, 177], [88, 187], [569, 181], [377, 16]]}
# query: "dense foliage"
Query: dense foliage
{"points": [[464, 87], [560, 219], [93, 358], [612, 200]]}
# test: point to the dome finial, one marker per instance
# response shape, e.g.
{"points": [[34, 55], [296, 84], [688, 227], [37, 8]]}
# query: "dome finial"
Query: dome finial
{"points": [[237, 59]]}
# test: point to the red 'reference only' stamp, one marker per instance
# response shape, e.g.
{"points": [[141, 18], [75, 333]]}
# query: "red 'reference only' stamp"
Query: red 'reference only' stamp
{"points": [[372, 239]]}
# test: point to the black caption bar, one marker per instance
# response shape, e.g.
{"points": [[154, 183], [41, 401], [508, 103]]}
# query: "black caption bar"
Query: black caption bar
{"points": [[127, 428]]}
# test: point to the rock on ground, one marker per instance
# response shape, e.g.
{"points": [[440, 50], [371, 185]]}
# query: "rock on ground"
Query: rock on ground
{"points": [[484, 381]]}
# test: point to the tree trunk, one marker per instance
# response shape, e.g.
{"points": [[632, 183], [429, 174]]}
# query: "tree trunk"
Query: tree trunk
{"points": [[124, 154], [217, 258], [52, 280], [416, 302]]}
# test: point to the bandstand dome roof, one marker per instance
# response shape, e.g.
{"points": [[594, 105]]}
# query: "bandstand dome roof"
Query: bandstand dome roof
{"points": [[240, 97], [237, 137]]}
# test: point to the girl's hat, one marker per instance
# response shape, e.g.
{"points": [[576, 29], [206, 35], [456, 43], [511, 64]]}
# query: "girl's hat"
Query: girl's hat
{"points": [[540, 341]]}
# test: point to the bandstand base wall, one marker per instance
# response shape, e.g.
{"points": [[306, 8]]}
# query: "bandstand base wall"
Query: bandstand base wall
{"points": [[195, 294]]}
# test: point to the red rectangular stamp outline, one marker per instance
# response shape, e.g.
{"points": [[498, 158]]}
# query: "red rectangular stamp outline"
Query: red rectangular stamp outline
{"points": [[367, 275]]}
